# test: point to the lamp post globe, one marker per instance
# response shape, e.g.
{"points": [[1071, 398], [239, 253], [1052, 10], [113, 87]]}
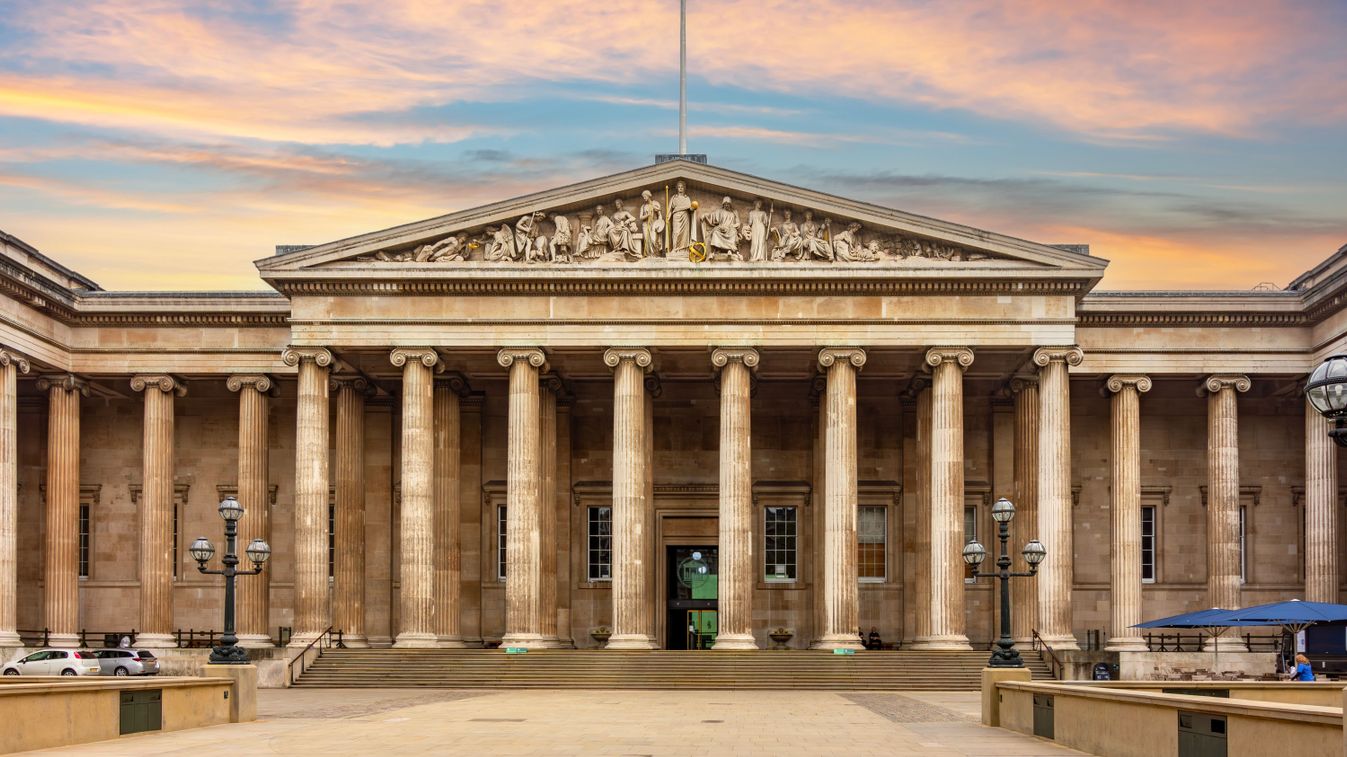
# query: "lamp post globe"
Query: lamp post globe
{"points": [[1326, 391], [228, 652], [1003, 511], [230, 509], [1004, 654]]}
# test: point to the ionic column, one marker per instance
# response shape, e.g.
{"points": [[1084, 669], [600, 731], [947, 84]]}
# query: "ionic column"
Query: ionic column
{"points": [[841, 613], [254, 493], [921, 525], [416, 594], [1056, 573], [156, 510], [1126, 562], [1223, 583], [312, 606], [60, 562], [449, 391], [736, 499], [522, 626], [947, 495], [11, 365], [348, 570], [1024, 599], [1321, 512], [631, 524], [547, 513]]}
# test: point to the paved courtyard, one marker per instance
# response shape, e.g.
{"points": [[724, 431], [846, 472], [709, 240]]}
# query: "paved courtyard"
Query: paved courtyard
{"points": [[337, 722]]}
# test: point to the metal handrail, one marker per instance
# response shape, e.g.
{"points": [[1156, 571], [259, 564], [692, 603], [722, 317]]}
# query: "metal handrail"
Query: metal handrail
{"points": [[105, 635], [38, 634], [303, 654], [1058, 669]]}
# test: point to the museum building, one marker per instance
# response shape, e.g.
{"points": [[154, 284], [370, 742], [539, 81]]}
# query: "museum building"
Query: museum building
{"points": [[677, 407]]}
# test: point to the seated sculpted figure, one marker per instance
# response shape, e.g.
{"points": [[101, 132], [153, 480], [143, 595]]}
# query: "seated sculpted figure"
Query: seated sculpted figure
{"points": [[814, 236], [847, 245], [498, 248], [593, 240], [622, 235], [721, 227], [788, 241]]}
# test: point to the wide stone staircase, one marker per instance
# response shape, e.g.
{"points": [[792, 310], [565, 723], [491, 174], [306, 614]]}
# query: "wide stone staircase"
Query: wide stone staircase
{"points": [[604, 669]]}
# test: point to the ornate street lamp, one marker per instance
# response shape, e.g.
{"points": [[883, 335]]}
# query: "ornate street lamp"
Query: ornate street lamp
{"points": [[1327, 391], [229, 652], [1005, 655]]}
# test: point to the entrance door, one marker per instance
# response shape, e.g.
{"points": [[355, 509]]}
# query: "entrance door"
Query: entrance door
{"points": [[693, 586]]}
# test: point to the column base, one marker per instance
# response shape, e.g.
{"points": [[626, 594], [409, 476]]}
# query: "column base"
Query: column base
{"points": [[10, 639], [1064, 641], [948, 643], [525, 640], [300, 640], [734, 641], [355, 641], [450, 642], [837, 641], [550, 642], [380, 642], [630, 641], [65, 640], [1126, 644], [255, 641], [414, 640], [154, 640]]}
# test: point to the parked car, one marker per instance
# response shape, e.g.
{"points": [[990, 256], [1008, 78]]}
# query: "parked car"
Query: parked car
{"points": [[55, 662], [127, 662]]}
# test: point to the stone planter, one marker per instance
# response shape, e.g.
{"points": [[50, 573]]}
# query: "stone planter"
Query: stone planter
{"points": [[780, 638], [601, 635]]}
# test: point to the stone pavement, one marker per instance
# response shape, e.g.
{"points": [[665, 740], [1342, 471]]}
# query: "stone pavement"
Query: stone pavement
{"points": [[393, 722]]}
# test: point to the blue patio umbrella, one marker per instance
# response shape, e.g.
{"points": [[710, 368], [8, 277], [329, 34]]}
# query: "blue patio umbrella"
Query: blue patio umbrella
{"points": [[1294, 615], [1213, 620]]}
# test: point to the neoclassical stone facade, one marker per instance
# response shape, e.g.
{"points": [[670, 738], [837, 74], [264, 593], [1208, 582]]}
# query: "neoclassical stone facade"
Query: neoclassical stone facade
{"points": [[552, 422]]}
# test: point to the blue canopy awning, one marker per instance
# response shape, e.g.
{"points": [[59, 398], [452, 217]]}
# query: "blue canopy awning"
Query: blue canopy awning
{"points": [[1210, 618], [1290, 613]]}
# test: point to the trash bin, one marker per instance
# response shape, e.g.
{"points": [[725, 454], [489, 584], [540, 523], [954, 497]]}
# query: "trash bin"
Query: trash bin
{"points": [[1102, 672]]}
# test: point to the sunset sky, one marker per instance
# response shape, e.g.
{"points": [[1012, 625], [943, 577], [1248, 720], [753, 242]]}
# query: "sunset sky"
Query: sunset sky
{"points": [[165, 145]]}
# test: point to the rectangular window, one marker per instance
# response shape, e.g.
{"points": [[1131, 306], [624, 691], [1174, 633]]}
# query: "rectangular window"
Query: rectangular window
{"points": [[84, 541], [175, 540], [600, 543], [500, 542], [331, 540], [1148, 544], [970, 532], [872, 542], [779, 543], [1243, 551]]}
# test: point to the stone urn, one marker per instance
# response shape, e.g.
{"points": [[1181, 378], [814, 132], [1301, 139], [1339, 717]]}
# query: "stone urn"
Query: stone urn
{"points": [[780, 637], [601, 634]]}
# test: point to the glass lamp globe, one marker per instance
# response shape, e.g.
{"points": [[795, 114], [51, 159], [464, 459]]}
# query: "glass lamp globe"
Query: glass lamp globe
{"points": [[1327, 387], [258, 551], [1034, 552], [1003, 511], [201, 549], [974, 553], [230, 509]]}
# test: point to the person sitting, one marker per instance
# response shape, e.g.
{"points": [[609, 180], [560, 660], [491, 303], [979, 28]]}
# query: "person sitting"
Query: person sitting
{"points": [[1303, 671], [873, 641]]}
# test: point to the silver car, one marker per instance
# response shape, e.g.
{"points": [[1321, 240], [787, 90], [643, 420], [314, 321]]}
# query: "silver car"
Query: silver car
{"points": [[55, 662], [127, 662]]}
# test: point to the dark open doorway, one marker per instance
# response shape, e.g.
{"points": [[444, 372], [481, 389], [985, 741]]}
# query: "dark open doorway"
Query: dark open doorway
{"points": [[693, 586]]}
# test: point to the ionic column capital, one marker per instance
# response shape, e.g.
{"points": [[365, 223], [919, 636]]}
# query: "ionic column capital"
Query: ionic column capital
{"points": [[356, 383], [1216, 382], [1018, 384], [653, 386], [457, 382], [9, 357], [162, 381], [67, 381], [259, 381], [1119, 381], [1070, 355], [960, 356], [723, 356], [400, 355], [830, 355], [320, 356], [614, 356], [534, 356]]}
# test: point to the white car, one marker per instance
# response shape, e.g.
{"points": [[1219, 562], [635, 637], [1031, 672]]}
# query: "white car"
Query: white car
{"points": [[127, 662], [55, 662]]}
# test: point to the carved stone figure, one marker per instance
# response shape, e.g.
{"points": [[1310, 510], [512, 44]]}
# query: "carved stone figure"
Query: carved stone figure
{"points": [[593, 240], [788, 240], [721, 230], [560, 249], [847, 245], [814, 238], [392, 257], [622, 234], [680, 219], [447, 250], [756, 231], [499, 247], [652, 226], [529, 245]]}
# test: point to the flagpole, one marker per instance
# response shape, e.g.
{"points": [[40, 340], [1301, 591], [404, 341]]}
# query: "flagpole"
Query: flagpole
{"points": [[682, 77]]}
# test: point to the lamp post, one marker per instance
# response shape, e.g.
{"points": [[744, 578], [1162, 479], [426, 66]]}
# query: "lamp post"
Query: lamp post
{"points": [[1327, 392], [1005, 655], [229, 652]]}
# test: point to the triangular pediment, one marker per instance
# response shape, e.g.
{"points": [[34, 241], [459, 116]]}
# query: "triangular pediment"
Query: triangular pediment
{"points": [[607, 222]]}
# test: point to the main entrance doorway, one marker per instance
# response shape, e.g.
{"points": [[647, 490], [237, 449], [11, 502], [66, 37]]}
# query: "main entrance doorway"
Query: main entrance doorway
{"points": [[693, 585]]}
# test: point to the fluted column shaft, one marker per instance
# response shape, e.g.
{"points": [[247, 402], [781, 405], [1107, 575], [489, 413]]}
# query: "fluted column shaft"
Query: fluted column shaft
{"points": [[921, 543], [156, 511], [1024, 604], [1223, 580], [547, 518], [1126, 551], [312, 598], [348, 574], [1056, 573], [736, 499], [1321, 512], [253, 601], [60, 563], [841, 613], [448, 511], [11, 365], [522, 550], [416, 593], [632, 561]]}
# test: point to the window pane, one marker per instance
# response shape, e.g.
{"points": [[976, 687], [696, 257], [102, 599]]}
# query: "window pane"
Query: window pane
{"points": [[779, 543], [500, 542], [84, 541], [1148, 544], [1243, 573], [970, 532], [331, 540], [600, 543], [872, 540]]}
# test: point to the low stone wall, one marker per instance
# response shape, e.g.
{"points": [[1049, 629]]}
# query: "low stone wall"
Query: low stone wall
{"points": [[1124, 722], [1152, 666], [1318, 693], [43, 712]]}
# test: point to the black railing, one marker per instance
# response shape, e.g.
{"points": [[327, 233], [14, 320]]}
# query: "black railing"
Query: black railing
{"points": [[1094, 640], [194, 639], [106, 638], [323, 641], [34, 637], [1196, 642], [1058, 669]]}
